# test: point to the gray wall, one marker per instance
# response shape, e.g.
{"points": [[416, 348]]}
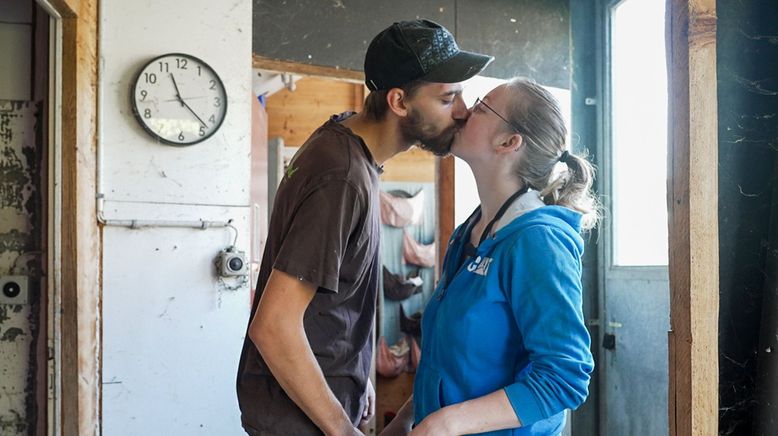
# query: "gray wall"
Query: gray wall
{"points": [[583, 53], [527, 37], [748, 140]]}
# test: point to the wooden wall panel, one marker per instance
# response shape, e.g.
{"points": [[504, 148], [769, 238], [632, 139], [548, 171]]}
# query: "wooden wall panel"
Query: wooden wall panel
{"points": [[294, 115], [414, 165]]}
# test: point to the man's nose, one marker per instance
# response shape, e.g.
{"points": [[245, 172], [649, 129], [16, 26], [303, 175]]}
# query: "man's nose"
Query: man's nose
{"points": [[460, 112]]}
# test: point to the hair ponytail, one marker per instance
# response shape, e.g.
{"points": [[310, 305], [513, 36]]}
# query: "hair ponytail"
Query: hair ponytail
{"points": [[572, 188]]}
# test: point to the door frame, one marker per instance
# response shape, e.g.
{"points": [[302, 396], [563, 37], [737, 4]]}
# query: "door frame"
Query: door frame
{"points": [[74, 285]]}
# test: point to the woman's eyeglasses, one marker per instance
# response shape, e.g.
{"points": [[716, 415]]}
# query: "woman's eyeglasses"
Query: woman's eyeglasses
{"points": [[479, 102]]}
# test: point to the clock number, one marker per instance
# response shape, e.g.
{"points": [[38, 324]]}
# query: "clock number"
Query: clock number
{"points": [[202, 131], [147, 113], [181, 63], [143, 95], [213, 84], [164, 67], [181, 136], [212, 119], [150, 77], [198, 70], [217, 102]]}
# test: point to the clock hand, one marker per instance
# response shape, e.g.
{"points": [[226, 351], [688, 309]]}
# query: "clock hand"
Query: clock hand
{"points": [[178, 93], [183, 103], [194, 113], [187, 98]]}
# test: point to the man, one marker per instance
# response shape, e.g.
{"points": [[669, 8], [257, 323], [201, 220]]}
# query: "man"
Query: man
{"points": [[306, 358]]}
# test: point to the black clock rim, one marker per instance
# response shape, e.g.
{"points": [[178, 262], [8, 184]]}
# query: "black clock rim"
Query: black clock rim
{"points": [[154, 134]]}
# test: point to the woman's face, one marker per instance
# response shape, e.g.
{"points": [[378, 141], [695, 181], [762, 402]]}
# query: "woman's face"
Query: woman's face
{"points": [[484, 128]]}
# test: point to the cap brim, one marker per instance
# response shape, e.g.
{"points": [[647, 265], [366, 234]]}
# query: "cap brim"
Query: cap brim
{"points": [[458, 68]]}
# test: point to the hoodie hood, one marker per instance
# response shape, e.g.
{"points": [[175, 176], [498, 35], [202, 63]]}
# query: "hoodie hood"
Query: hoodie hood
{"points": [[560, 218]]}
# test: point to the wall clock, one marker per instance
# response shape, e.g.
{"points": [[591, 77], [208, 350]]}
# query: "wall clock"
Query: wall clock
{"points": [[178, 99]]}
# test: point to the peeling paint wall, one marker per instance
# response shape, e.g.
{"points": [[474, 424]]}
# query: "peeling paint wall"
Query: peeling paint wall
{"points": [[20, 223], [173, 330]]}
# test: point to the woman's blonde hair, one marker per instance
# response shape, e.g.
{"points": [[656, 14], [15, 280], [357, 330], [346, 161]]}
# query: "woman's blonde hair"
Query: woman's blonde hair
{"points": [[543, 132]]}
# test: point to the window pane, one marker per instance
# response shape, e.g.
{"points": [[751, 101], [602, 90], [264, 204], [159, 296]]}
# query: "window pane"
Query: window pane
{"points": [[639, 133]]}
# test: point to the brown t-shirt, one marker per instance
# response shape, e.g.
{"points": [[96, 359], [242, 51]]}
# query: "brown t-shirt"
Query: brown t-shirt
{"points": [[324, 229]]}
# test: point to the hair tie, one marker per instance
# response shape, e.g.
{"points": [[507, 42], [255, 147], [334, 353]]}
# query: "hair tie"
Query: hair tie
{"points": [[564, 156]]}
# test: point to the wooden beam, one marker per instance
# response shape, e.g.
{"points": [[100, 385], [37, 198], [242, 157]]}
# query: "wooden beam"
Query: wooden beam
{"points": [[445, 191], [81, 358], [693, 224], [280, 66]]}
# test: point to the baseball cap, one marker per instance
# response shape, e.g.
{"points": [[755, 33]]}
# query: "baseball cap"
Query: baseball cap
{"points": [[418, 50]]}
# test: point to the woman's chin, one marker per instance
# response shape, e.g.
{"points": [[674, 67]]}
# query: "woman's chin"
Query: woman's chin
{"points": [[457, 146]]}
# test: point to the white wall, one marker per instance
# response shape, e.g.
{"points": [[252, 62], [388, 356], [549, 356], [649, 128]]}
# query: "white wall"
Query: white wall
{"points": [[172, 331]]}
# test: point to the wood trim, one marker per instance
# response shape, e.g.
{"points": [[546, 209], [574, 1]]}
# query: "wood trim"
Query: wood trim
{"points": [[66, 8], [280, 66], [445, 191], [81, 358], [693, 224]]}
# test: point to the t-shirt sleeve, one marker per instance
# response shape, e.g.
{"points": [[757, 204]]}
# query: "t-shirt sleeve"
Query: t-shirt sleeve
{"points": [[546, 298], [315, 244]]}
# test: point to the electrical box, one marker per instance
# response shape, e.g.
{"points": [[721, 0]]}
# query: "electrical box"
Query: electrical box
{"points": [[231, 263], [14, 290]]}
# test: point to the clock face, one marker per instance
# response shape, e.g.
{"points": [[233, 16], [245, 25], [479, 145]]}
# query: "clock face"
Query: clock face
{"points": [[179, 99]]}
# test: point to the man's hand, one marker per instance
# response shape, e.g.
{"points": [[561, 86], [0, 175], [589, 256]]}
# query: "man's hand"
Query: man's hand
{"points": [[369, 411]]}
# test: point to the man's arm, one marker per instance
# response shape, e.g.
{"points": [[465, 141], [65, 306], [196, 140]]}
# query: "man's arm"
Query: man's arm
{"points": [[277, 331]]}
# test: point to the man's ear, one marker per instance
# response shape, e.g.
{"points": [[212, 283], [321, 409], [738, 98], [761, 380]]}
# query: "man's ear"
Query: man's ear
{"points": [[395, 98], [512, 143]]}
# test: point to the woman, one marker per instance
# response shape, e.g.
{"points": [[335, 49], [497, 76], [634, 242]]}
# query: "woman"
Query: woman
{"points": [[504, 345]]}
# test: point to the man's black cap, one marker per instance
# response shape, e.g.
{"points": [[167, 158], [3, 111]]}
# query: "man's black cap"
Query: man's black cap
{"points": [[418, 50]]}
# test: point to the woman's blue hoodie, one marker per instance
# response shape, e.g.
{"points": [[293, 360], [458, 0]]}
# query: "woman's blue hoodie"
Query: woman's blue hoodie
{"points": [[510, 318]]}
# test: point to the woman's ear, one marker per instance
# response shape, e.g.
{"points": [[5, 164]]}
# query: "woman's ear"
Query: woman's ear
{"points": [[395, 98], [512, 143]]}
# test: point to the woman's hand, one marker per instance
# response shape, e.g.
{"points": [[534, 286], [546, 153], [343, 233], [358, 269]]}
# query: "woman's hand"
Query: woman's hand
{"points": [[436, 424]]}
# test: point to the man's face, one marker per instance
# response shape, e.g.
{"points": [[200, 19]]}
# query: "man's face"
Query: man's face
{"points": [[436, 112]]}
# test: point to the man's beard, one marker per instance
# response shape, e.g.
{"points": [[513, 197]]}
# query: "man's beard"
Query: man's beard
{"points": [[414, 129]]}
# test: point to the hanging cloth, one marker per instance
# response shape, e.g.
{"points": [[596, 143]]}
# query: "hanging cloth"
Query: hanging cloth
{"points": [[410, 324], [416, 253], [397, 288], [391, 361], [413, 363], [400, 209]]}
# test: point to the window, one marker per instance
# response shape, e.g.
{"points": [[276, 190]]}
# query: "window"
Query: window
{"points": [[639, 133]]}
